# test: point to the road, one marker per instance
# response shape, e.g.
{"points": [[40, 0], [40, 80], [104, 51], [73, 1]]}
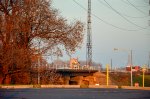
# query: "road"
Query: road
{"points": [[73, 94]]}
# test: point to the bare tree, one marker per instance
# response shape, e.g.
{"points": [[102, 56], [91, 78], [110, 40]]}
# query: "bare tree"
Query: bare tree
{"points": [[24, 22]]}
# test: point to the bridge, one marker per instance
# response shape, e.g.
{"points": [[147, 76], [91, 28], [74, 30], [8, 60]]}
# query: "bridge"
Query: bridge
{"points": [[74, 73], [77, 76]]}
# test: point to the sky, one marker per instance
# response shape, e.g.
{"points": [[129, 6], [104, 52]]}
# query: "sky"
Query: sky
{"points": [[122, 24]]}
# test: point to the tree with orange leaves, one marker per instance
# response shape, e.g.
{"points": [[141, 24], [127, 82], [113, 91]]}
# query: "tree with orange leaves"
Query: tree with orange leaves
{"points": [[22, 24]]}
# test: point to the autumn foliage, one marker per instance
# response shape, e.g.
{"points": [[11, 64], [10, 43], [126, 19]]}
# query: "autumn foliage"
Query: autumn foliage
{"points": [[23, 23]]}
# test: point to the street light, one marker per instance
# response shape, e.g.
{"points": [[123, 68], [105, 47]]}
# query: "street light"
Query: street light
{"points": [[39, 63], [149, 61], [129, 61]]}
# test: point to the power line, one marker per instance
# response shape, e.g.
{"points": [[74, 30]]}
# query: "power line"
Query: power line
{"points": [[121, 13], [135, 7], [120, 28], [145, 1], [123, 16]]}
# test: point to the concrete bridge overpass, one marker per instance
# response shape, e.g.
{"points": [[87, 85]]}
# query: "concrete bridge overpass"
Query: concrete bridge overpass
{"points": [[81, 76], [76, 72]]}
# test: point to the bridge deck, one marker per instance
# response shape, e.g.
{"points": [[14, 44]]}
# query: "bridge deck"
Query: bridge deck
{"points": [[76, 70]]}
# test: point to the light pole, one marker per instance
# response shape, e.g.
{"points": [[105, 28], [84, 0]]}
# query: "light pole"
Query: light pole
{"points": [[38, 70], [39, 64], [111, 64], [149, 61], [129, 61]]}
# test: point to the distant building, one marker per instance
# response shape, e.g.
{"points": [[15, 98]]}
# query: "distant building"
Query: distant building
{"points": [[59, 64], [134, 68], [74, 64], [137, 68]]}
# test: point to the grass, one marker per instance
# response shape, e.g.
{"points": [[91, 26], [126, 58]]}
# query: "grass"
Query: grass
{"points": [[139, 79]]}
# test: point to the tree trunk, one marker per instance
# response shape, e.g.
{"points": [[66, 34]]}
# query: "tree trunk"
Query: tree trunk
{"points": [[6, 79]]}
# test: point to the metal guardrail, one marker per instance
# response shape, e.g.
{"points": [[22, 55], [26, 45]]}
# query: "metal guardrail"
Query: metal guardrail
{"points": [[68, 67]]}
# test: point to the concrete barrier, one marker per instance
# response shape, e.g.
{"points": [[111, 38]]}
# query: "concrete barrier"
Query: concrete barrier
{"points": [[35, 86], [103, 86], [16, 86], [72, 86], [135, 88], [60, 86]]}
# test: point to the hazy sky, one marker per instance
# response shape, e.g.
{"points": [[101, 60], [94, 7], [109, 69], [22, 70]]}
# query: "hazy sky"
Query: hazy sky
{"points": [[127, 28]]}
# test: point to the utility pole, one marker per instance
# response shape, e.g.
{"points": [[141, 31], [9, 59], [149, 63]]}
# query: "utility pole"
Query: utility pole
{"points": [[148, 60], [129, 62], [111, 64], [149, 52], [131, 67], [39, 64], [89, 37]]}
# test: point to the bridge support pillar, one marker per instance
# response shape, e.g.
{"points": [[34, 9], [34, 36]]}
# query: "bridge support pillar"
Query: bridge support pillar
{"points": [[80, 81], [77, 79], [66, 80]]}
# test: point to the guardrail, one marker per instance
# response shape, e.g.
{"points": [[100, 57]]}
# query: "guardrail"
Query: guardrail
{"points": [[103, 86], [37, 86], [70, 86], [135, 88]]}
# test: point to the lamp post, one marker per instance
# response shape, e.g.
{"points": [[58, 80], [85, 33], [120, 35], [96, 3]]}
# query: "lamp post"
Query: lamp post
{"points": [[149, 61], [129, 61], [38, 71], [39, 64]]}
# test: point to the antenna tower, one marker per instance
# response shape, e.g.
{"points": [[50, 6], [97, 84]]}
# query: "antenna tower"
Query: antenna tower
{"points": [[149, 15], [89, 37]]}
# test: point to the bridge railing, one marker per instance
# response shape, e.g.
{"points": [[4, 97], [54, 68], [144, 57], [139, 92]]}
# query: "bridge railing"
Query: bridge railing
{"points": [[68, 67]]}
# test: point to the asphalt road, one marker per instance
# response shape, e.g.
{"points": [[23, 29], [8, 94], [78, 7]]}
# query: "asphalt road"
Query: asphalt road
{"points": [[73, 94]]}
